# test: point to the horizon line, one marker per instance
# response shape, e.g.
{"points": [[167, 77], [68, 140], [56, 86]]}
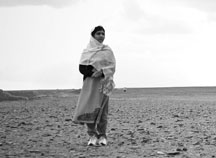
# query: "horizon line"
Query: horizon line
{"points": [[114, 88]]}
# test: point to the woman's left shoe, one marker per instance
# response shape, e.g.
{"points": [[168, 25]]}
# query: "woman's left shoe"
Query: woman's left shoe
{"points": [[102, 141]]}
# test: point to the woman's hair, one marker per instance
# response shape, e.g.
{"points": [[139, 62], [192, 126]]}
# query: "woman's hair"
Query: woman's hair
{"points": [[97, 28]]}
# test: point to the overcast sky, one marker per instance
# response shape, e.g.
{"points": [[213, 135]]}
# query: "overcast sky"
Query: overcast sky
{"points": [[157, 43]]}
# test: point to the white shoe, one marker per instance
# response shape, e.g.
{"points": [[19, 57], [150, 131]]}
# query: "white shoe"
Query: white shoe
{"points": [[102, 141], [92, 141]]}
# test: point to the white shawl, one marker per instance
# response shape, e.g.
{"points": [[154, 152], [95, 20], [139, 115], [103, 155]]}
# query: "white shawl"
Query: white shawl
{"points": [[101, 57]]}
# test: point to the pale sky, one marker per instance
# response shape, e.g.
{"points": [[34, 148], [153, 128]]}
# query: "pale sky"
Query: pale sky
{"points": [[157, 43]]}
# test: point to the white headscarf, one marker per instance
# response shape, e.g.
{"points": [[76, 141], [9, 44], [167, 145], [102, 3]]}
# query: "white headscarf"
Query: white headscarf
{"points": [[101, 57]]}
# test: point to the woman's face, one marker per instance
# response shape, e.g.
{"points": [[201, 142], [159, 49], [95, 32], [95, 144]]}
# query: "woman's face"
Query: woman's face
{"points": [[100, 36]]}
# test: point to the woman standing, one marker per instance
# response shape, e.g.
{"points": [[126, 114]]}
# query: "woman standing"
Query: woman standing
{"points": [[97, 64]]}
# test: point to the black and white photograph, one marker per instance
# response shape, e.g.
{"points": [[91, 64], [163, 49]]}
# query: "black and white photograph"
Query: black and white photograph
{"points": [[107, 78]]}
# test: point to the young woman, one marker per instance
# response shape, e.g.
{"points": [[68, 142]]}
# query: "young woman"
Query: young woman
{"points": [[97, 64]]}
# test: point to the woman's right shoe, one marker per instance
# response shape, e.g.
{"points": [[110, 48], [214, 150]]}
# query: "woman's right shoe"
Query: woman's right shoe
{"points": [[92, 141]]}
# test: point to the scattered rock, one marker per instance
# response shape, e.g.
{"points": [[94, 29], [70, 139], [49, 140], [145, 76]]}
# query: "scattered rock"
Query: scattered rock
{"points": [[142, 125], [175, 115], [68, 119], [160, 153], [173, 153]]}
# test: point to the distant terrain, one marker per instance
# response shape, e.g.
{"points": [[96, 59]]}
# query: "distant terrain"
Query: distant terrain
{"points": [[175, 122], [33, 94]]}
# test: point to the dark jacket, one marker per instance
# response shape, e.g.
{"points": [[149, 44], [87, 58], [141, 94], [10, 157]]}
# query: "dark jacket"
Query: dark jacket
{"points": [[87, 71]]}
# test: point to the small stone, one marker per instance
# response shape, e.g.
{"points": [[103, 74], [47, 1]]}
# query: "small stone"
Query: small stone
{"points": [[181, 125], [178, 149], [196, 143], [160, 152], [172, 153], [120, 144], [175, 115], [68, 119], [46, 135]]}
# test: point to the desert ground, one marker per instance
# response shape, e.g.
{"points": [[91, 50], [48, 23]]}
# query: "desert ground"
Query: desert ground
{"points": [[143, 122]]}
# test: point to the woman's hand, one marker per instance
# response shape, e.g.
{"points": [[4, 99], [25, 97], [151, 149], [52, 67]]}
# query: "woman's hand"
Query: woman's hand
{"points": [[97, 73]]}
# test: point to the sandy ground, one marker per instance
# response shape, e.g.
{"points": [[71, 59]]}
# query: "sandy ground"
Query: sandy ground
{"points": [[163, 122]]}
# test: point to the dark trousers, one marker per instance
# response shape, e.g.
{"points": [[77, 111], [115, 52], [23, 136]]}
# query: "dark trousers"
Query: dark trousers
{"points": [[100, 129]]}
